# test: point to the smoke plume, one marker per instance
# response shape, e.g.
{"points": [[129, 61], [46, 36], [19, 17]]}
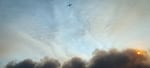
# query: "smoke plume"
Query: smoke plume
{"points": [[75, 62], [129, 58]]}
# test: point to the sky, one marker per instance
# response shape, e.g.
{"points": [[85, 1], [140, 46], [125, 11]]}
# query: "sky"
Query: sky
{"points": [[52, 28]]}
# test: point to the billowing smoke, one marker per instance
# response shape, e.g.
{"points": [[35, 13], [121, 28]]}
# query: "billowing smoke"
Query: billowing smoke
{"points": [[24, 64], [129, 58], [75, 62], [28, 63]]}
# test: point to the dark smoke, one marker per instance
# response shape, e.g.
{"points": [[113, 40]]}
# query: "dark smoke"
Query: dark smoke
{"points": [[75, 62], [24, 64], [49, 63], [129, 58], [115, 59]]}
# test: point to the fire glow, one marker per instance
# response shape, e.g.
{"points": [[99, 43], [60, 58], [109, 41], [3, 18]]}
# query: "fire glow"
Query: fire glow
{"points": [[140, 52]]}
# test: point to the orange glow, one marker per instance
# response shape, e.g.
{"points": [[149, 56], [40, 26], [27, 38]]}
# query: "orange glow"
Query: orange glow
{"points": [[140, 52]]}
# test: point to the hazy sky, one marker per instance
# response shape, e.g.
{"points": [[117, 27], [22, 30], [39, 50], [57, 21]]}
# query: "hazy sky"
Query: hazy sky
{"points": [[38, 28]]}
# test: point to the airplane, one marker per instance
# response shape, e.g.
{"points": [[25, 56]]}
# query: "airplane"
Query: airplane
{"points": [[69, 5]]}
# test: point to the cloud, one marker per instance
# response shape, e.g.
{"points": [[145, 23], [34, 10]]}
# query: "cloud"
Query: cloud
{"points": [[129, 58], [8, 40]]}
